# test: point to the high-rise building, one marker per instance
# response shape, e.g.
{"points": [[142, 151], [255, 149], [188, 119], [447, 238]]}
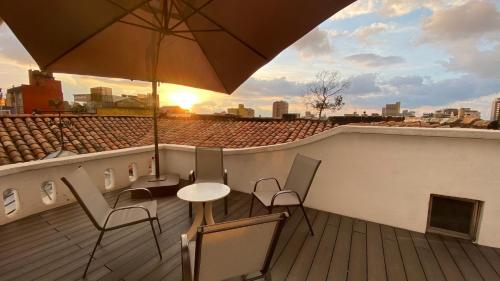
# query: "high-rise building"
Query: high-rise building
{"points": [[408, 113], [241, 111], [101, 97], [26, 99], [392, 109], [467, 112], [495, 109], [280, 108]]}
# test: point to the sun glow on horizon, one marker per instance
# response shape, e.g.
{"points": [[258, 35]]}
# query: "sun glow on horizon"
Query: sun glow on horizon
{"points": [[183, 98]]}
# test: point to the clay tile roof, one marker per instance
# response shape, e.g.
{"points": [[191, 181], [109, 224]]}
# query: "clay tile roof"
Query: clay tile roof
{"points": [[26, 138]]}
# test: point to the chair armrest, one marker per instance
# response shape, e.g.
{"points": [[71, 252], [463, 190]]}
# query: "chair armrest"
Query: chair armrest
{"points": [[284, 192], [225, 176], [264, 179], [192, 177], [130, 190], [186, 261], [126, 208]]}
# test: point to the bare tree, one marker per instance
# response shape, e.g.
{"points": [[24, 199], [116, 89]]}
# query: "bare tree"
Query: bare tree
{"points": [[325, 92]]}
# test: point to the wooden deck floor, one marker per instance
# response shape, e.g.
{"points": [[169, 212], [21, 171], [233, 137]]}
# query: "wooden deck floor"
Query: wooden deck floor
{"points": [[55, 245]]}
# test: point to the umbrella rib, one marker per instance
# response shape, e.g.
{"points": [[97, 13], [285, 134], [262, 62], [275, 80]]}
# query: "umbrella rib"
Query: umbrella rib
{"points": [[91, 35], [228, 32], [169, 14], [183, 37], [208, 59], [132, 13], [153, 12], [196, 30], [140, 25], [195, 10]]}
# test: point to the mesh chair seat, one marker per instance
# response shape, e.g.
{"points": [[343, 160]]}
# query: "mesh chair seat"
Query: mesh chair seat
{"points": [[230, 250], [296, 188], [286, 199], [104, 217], [132, 216]]}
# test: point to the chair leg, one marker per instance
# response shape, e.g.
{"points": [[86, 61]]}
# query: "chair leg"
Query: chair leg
{"points": [[93, 251], [225, 205], [251, 207], [159, 226], [156, 239], [288, 210], [307, 219], [190, 209]]}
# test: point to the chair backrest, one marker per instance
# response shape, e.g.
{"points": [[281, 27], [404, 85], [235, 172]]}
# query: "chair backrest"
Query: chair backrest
{"points": [[301, 175], [88, 196], [209, 164], [236, 248]]}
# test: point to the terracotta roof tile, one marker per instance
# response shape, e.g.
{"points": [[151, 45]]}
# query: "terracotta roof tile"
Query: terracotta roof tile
{"points": [[26, 138]]}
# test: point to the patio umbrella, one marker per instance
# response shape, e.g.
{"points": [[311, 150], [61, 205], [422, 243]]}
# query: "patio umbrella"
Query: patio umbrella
{"points": [[209, 44]]}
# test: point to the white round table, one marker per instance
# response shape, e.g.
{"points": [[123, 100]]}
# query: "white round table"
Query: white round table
{"points": [[202, 195]]}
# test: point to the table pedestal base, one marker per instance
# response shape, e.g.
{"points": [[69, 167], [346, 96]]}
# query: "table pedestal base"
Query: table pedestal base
{"points": [[202, 210]]}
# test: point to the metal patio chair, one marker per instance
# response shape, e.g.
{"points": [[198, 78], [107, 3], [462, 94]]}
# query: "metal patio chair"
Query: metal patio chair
{"points": [[232, 249], [296, 188], [209, 167], [102, 215]]}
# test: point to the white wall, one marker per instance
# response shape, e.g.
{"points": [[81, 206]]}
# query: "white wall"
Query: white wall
{"points": [[385, 175]]}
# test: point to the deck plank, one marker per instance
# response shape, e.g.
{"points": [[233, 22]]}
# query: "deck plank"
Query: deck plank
{"points": [[357, 258], [429, 262], [339, 265], [465, 265], [375, 253], [284, 264], [413, 268], [304, 260], [479, 261], [393, 261], [321, 263], [55, 245], [444, 258]]}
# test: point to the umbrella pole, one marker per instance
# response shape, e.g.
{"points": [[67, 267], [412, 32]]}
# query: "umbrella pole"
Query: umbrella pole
{"points": [[159, 185], [155, 130]]}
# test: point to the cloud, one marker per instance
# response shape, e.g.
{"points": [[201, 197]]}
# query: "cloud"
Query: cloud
{"points": [[12, 50], [417, 91], [481, 63], [470, 35], [469, 21], [393, 8], [374, 60], [278, 87], [406, 81], [356, 9], [315, 43], [364, 33], [364, 84]]}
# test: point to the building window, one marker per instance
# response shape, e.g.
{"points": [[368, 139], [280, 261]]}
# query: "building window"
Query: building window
{"points": [[152, 166], [10, 201], [453, 216], [48, 190], [109, 179], [132, 171]]}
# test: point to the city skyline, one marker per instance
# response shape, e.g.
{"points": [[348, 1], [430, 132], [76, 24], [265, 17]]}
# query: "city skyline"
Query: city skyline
{"points": [[423, 53]]}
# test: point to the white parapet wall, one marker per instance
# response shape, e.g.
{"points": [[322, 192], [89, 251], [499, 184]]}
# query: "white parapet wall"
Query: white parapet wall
{"points": [[379, 174]]}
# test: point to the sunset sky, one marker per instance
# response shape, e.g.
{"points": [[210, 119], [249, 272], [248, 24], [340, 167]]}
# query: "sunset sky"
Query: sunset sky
{"points": [[428, 54]]}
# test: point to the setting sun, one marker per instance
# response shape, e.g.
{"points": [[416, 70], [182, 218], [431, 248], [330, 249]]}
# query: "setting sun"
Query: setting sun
{"points": [[184, 99]]}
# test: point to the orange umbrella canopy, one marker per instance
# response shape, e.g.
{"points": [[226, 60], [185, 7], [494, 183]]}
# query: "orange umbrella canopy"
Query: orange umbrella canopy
{"points": [[209, 44]]}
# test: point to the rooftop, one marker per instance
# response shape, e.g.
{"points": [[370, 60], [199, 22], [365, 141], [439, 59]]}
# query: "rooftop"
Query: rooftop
{"points": [[25, 138], [55, 245]]}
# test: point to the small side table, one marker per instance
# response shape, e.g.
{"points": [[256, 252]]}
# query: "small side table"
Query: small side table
{"points": [[202, 195]]}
